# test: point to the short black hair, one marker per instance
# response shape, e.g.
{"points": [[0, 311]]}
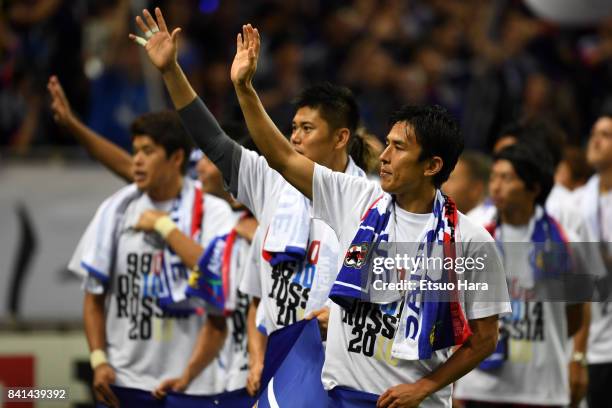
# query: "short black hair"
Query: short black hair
{"points": [[166, 130], [541, 133], [606, 112], [438, 134], [533, 166], [336, 105]]}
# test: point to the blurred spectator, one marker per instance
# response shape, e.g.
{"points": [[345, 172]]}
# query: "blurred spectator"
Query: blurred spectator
{"points": [[573, 171], [32, 47], [118, 91], [468, 182], [488, 62]]}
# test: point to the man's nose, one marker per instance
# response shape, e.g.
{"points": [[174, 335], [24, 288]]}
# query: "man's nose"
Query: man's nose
{"points": [[138, 158], [384, 156], [296, 137]]}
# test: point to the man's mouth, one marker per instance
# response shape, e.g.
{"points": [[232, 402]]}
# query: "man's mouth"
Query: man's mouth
{"points": [[384, 173], [139, 176]]}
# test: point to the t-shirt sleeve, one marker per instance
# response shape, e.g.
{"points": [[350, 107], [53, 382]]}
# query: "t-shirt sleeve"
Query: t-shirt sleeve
{"points": [[89, 283], [256, 182], [77, 264], [92, 285], [218, 219], [337, 196], [74, 265], [250, 283], [485, 267]]}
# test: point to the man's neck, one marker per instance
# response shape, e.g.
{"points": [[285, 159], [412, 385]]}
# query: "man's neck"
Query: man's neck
{"points": [[168, 190], [418, 201], [605, 180], [518, 216], [339, 162]]}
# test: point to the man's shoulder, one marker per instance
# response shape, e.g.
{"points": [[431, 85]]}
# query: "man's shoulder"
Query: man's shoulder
{"points": [[212, 201], [256, 165], [484, 213], [123, 196], [348, 182], [471, 231]]}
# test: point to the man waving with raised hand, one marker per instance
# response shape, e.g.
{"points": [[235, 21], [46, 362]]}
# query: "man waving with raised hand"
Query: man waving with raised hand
{"points": [[391, 347], [299, 253]]}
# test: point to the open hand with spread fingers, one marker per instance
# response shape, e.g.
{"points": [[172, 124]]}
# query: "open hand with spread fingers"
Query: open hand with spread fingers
{"points": [[161, 46], [247, 53], [62, 113]]}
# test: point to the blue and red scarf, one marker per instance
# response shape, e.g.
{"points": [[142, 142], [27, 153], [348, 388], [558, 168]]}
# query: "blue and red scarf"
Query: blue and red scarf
{"points": [[428, 323], [212, 280], [549, 258]]}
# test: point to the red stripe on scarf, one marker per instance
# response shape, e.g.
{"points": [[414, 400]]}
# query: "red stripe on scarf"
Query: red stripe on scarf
{"points": [[197, 212], [226, 265], [226, 259], [267, 256], [461, 327], [372, 206]]}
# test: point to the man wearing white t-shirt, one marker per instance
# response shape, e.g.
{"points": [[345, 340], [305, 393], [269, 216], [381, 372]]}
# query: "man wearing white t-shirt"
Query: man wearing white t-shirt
{"points": [[595, 200], [544, 135], [233, 357], [139, 326], [423, 147], [530, 368], [300, 252], [547, 137]]}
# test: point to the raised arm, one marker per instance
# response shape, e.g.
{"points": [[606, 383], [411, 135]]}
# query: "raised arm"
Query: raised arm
{"points": [[294, 167], [161, 47], [110, 155]]}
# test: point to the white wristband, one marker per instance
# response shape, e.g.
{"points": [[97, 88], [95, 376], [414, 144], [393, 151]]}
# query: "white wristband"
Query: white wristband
{"points": [[164, 226], [97, 358]]}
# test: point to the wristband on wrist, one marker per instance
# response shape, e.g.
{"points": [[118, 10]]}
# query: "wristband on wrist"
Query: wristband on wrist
{"points": [[97, 358], [579, 357], [164, 226]]}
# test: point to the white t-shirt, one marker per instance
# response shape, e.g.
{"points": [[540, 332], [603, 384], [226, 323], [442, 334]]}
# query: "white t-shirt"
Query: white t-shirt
{"points": [[290, 290], [560, 206], [144, 344], [358, 353], [234, 357], [484, 213], [536, 371], [599, 349]]}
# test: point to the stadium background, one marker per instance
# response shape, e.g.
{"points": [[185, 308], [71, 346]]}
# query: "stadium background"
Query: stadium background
{"points": [[487, 61]]}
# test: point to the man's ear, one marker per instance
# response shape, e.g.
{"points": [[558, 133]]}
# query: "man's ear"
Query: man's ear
{"points": [[342, 137], [537, 189], [433, 166], [177, 158]]}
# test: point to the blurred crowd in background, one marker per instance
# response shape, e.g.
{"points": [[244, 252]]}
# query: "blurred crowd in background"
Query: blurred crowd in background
{"points": [[487, 61]]}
